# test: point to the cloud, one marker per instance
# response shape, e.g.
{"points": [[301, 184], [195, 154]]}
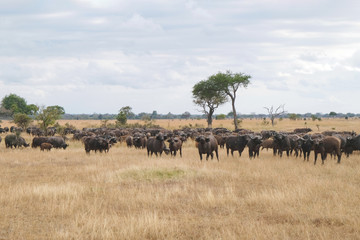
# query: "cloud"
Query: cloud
{"points": [[149, 54]]}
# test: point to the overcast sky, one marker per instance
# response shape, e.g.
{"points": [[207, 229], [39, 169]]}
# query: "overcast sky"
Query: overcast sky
{"points": [[96, 56]]}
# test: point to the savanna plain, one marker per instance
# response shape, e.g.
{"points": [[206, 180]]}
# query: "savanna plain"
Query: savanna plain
{"points": [[124, 194]]}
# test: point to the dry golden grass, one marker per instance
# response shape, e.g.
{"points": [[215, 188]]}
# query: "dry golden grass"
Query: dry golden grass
{"points": [[66, 194], [252, 124]]}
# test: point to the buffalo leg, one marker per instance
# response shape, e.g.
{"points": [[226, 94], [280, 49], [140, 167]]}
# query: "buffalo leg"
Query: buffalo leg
{"points": [[339, 158]]}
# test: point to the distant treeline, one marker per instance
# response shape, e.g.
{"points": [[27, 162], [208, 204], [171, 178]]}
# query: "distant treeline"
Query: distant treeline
{"points": [[186, 115]]}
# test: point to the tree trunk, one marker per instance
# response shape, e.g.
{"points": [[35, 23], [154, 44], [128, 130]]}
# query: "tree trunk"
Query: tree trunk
{"points": [[209, 118], [234, 113]]}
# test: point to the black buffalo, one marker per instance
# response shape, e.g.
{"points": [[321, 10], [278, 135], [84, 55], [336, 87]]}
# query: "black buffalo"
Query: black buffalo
{"points": [[96, 144], [254, 146], [129, 141], [175, 144], [295, 145], [281, 144], [139, 140], [56, 142], [352, 143], [221, 139], [156, 145], [236, 143], [306, 145], [13, 140], [207, 145]]}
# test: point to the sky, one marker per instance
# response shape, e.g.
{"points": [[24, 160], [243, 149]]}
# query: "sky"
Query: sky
{"points": [[96, 56]]}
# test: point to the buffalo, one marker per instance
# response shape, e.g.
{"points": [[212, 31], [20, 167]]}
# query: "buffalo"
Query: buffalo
{"points": [[57, 142], [352, 143], [35, 131], [156, 145], [236, 143], [37, 141], [327, 145], [139, 140], [267, 143], [294, 145], [95, 144], [13, 140], [282, 143], [221, 139], [254, 146], [129, 141], [46, 146], [306, 145], [175, 144], [14, 129], [207, 145]]}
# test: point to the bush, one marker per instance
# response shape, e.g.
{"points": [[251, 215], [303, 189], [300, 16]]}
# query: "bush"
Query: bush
{"points": [[22, 120], [220, 117]]}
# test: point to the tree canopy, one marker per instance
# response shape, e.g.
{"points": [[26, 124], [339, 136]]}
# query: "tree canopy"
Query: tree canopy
{"points": [[22, 120], [48, 116], [229, 83], [207, 95], [17, 104], [124, 114]]}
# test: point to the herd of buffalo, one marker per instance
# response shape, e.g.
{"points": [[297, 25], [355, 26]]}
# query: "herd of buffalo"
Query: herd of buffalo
{"points": [[299, 143]]}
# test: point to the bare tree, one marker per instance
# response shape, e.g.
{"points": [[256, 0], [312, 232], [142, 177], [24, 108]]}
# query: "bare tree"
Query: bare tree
{"points": [[274, 113]]}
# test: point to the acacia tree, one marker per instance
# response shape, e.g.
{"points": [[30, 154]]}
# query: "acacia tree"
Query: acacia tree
{"points": [[207, 95], [274, 113], [229, 83], [48, 116]]}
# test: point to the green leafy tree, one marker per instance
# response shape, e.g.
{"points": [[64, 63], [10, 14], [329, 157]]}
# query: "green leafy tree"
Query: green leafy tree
{"points": [[146, 117], [207, 95], [229, 83], [169, 116], [293, 116], [48, 116], [15, 104], [154, 115], [123, 115], [220, 117], [186, 115], [314, 117], [332, 114], [32, 109], [22, 120]]}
